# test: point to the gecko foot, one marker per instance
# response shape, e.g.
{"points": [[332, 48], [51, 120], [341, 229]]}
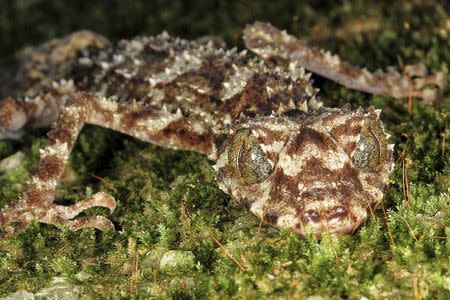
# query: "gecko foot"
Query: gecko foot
{"points": [[63, 215], [423, 85], [12, 119], [23, 212]]}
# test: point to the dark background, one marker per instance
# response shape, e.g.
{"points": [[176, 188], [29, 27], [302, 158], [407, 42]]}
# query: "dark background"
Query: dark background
{"points": [[326, 23]]}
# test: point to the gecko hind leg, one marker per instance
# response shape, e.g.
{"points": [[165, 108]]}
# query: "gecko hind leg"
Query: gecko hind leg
{"points": [[271, 43], [37, 112], [13, 118]]}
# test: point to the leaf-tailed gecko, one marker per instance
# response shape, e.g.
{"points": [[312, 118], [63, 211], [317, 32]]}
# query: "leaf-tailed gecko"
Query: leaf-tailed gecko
{"points": [[277, 151]]}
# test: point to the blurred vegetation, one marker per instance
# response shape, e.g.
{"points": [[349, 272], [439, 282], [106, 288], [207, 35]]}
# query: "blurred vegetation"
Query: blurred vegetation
{"points": [[178, 235]]}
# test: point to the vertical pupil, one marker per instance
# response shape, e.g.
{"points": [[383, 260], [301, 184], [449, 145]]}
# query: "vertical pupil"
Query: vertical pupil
{"points": [[371, 149], [247, 158], [253, 164]]}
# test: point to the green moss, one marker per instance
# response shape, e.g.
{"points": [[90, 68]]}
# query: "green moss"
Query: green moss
{"points": [[168, 201]]}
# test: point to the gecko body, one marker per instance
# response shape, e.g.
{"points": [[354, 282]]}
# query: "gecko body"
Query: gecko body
{"points": [[278, 152]]}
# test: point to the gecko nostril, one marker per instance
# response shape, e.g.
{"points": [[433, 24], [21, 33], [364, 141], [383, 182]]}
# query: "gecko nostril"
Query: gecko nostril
{"points": [[311, 216], [338, 212]]}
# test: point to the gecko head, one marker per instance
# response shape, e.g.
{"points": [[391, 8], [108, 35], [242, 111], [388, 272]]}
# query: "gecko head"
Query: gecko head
{"points": [[320, 172]]}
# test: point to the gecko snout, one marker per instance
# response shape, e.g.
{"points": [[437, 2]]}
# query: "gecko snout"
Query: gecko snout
{"points": [[331, 217], [331, 214]]}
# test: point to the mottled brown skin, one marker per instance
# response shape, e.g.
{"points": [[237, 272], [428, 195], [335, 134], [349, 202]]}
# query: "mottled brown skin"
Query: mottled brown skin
{"points": [[281, 155]]}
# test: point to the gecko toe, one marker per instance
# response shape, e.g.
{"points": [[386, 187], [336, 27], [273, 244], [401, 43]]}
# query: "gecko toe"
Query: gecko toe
{"points": [[64, 215], [98, 222], [97, 200], [104, 200]]}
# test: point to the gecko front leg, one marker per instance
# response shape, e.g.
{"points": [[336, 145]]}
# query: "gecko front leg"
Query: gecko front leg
{"points": [[38, 196], [269, 42], [170, 129]]}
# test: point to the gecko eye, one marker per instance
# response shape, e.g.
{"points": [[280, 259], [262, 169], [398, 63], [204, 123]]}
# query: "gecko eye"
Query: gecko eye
{"points": [[247, 159], [371, 151]]}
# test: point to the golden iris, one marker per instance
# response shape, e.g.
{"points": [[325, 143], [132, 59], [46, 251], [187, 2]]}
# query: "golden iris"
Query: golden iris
{"points": [[247, 159], [372, 151]]}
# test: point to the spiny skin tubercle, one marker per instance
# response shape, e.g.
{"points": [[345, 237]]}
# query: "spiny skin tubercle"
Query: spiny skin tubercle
{"points": [[196, 96]]}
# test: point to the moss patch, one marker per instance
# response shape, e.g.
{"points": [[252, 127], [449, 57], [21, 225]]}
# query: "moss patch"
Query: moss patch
{"points": [[178, 235]]}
